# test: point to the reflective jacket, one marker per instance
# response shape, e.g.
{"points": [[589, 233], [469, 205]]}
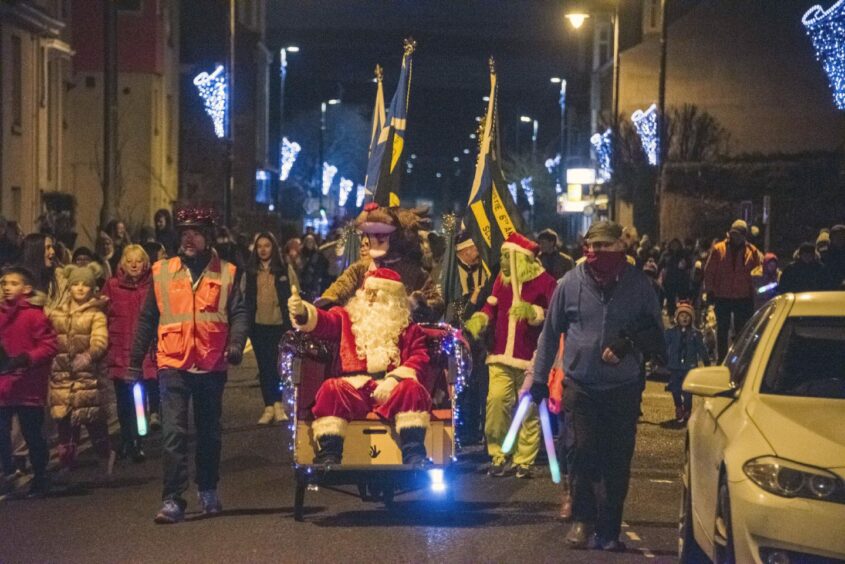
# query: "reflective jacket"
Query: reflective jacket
{"points": [[193, 327]]}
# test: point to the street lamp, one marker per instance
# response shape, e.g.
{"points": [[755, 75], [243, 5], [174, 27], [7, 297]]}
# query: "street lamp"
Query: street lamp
{"points": [[535, 128], [577, 19], [555, 80], [291, 49]]}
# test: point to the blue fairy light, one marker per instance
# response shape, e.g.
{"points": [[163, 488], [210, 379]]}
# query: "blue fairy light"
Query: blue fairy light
{"points": [[826, 29], [645, 122], [329, 172], [360, 194], [528, 187], [289, 151], [345, 189], [214, 91], [603, 146], [512, 190]]}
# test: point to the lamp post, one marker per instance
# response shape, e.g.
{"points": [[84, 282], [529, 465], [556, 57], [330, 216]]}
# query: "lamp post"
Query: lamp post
{"points": [[662, 146], [564, 132], [534, 130], [576, 18], [283, 73], [229, 188], [323, 109]]}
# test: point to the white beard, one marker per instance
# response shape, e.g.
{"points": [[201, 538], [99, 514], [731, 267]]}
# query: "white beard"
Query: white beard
{"points": [[377, 328]]}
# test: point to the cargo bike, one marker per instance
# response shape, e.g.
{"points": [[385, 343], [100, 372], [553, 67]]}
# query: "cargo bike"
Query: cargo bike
{"points": [[372, 459]]}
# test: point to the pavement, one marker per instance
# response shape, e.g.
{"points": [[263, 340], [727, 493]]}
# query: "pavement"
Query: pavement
{"points": [[94, 519]]}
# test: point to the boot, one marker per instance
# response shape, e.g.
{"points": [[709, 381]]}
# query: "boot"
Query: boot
{"points": [[137, 452], [266, 417], [279, 414], [412, 440], [331, 450]]}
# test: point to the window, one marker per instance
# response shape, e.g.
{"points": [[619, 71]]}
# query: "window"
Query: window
{"points": [[17, 85], [739, 356], [808, 359]]}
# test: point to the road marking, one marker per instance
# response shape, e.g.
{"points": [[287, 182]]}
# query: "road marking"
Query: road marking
{"points": [[646, 552], [662, 481], [633, 536]]}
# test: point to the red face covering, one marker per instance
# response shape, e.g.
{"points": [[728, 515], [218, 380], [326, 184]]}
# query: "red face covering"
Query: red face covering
{"points": [[605, 266]]}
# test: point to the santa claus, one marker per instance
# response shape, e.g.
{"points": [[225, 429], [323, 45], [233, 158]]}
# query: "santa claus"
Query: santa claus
{"points": [[381, 353]]}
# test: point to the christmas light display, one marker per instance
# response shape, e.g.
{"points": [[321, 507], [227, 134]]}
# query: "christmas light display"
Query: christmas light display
{"points": [[512, 190], [213, 89], [645, 122], [603, 145], [345, 189], [328, 177], [140, 408], [290, 150], [552, 164], [360, 194], [826, 29], [528, 188]]}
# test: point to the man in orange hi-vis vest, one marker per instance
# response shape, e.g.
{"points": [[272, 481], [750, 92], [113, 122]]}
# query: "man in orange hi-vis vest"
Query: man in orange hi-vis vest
{"points": [[197, 314]]}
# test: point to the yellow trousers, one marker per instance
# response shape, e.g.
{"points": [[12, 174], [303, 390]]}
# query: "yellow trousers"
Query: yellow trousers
{"points": [[505, 382]]}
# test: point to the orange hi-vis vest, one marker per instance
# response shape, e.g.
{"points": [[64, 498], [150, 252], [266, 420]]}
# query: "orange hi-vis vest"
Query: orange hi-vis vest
{"points": [[193, 328]]}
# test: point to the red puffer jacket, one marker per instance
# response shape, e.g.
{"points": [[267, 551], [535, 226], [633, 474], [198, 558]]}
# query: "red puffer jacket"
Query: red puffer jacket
{"points": [[127, 298], [25, 329]]}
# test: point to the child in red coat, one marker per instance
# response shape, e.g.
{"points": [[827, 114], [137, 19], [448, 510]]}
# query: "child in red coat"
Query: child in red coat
{"points": [[27, 347]]}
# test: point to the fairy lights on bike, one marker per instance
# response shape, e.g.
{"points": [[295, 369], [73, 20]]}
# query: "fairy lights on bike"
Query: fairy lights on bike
{"points": [[329, 172], [214, 91], [645, 122], [602, 144], [345, 189], [826, 29], [289, 151]]}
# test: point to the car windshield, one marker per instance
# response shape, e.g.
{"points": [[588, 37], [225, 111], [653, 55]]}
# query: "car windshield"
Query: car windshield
{"points": [[808, 359]]}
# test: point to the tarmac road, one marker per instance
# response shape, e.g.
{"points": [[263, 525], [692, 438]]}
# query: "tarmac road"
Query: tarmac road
{"points": [[92, 519]]}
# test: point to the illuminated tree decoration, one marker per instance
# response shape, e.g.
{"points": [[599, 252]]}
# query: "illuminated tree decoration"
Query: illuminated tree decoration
{"points": [[552, 164], [603, 147], [214, 91], [328, 177], [512, 190], [528, 188], [290, 150], [645, 122], [827, 32], [345, 189], [360, 194]]}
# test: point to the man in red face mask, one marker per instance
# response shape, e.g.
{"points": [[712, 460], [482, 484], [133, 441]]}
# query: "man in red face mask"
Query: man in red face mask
{"points": [[611, 320]]}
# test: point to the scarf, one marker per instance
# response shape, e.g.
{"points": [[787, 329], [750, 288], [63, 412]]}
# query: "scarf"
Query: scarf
{"points": [[605, 266]]}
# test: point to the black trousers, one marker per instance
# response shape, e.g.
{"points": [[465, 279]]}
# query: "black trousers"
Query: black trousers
{"points": [[178, 388], [742, 310], [265, 342], [31, 420], [604, 426]]}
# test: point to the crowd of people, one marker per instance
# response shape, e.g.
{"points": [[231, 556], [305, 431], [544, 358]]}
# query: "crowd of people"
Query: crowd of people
{"points": [[174, 306]]}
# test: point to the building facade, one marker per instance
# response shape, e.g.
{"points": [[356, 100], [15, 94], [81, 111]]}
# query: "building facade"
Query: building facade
{"points": [[34, 71], [147, 160]]}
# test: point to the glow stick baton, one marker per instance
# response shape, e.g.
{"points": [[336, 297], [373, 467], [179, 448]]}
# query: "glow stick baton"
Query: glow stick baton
{"points": [[521, 412], [554, 467], [140, 408]]}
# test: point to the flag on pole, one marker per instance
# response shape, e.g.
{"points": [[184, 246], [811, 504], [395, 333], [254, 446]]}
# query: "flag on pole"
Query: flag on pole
{"points": [[389, 137], [492, 214]]}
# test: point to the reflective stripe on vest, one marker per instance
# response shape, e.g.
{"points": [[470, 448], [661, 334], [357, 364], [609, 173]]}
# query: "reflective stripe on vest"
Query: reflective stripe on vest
{"points": [[193, 322]]}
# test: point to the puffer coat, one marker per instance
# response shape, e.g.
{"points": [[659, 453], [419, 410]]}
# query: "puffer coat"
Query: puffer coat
{"points": [[126, 299], [80, 394]]}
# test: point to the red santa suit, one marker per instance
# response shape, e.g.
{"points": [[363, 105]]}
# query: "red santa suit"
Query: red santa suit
{"points": [[352, 393]]}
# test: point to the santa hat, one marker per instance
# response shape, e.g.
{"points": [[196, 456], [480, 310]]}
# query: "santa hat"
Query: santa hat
{"points": [[521, 244], [385, 280], [685, 307], [376, 220]]}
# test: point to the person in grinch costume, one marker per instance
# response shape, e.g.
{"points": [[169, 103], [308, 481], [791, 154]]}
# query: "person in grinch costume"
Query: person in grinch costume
{"points": [[380, 356], [514, 312], [394, 243]]}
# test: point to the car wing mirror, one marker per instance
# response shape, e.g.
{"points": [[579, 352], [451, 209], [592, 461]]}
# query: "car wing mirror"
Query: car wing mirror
{"points": [[710, 381]]}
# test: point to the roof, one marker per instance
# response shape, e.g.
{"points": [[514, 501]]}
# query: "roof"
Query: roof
{"points": [[821, 304]]}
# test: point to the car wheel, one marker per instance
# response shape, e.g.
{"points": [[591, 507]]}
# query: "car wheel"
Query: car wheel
{"points": [[689, 551], [723, 535]]}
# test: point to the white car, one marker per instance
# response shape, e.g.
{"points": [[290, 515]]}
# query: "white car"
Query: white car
{"points": [[764, 472]]}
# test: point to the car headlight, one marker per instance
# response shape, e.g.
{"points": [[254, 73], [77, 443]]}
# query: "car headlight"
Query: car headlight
{"points": [[791, 479]]}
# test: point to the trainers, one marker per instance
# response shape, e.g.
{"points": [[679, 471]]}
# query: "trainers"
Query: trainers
{"points": [[613, 545], [210, 502], [497, 470], [523, 471], [155, 422], [580, 534], [170, 512], [267, 417]]}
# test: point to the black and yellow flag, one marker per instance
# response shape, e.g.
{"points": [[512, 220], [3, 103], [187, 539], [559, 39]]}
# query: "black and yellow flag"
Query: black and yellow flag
{"points": [[388, 140], [491, 213]]}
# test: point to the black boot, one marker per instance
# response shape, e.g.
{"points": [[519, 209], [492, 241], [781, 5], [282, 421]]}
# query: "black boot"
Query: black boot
{"points": [[137, 451], [413, 445], [331, 450]]}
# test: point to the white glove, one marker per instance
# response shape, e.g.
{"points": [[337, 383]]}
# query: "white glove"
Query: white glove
{"points": [[384, 389], [296, 307]]}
